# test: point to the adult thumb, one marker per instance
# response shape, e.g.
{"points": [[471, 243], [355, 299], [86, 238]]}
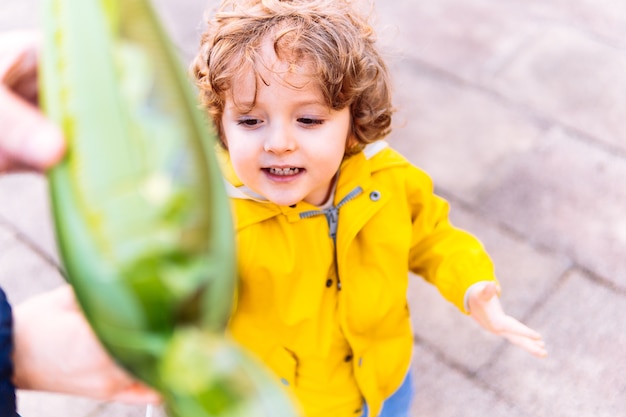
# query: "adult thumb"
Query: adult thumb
{"points": [[27, 138]]}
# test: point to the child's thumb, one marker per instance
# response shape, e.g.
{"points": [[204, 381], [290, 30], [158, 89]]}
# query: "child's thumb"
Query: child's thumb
{"points": [[489, 291]]}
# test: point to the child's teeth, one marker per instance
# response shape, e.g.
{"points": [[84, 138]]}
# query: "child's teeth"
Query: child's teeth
{"points": [[284, 171]]}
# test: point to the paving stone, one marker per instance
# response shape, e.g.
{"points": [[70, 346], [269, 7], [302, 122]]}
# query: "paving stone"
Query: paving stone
{"points": [[527, 276], [19, 14], [573, 79], [568, 195], [24, 14], [25, 205], [125, 410], [444, 392], [185, 36], [6, 236], [458, 135], [24, 273], [39, 404], [469, 39], [606, 18], [585, 374]]}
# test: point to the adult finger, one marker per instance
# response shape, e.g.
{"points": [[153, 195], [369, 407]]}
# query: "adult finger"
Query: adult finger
{"points": [[137, 394], [27, 138]]}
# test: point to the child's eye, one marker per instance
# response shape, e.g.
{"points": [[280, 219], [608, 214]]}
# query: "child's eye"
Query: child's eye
{"points": [[248, 122], [310, 121]]}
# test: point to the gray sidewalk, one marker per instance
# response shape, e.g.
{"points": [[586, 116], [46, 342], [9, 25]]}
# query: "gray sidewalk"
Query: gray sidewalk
{"points": [[517, 108]]}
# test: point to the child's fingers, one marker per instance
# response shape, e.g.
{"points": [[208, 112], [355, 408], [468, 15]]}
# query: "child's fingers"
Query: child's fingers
{"points": [[513, 326], [521, 335], [535, 347], [500, 323]]}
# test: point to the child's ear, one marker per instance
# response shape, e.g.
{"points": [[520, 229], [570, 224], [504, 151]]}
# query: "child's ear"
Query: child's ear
{"points": [[351, 141]]}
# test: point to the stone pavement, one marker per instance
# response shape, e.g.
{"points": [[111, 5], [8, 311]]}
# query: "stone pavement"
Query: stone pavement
{"points": [[517, 108]]}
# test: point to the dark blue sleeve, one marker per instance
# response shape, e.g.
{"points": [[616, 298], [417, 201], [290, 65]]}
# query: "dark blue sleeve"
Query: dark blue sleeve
{"points": [[7, 390]]}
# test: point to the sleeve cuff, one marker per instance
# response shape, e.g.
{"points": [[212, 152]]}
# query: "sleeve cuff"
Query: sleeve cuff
{"points": [[7, 389], [477, 285]]}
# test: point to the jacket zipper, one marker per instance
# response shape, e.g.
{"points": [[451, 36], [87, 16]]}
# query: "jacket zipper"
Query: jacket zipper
{"points": [[332, 218]]}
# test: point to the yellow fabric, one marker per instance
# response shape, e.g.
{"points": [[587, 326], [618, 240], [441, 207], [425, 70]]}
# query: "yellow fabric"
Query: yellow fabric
{"points": [[303, 329], [327, 374]]}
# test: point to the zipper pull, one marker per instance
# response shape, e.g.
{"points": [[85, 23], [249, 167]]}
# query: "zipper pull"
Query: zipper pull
{"points": [[332, 217]]}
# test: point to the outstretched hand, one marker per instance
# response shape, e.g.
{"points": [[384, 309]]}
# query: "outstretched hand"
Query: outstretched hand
{"points": [[56, 351], [485, 308]]}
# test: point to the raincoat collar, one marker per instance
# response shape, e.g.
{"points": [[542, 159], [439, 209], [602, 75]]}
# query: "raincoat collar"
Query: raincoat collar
{"points": [[355, 171]]}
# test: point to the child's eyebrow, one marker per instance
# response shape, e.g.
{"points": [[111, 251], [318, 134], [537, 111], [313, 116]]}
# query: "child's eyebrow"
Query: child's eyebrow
{"points": [[248, 105], [315, 101]]}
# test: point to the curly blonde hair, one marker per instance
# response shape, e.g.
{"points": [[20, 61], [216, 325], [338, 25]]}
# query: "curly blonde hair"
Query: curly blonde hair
{"points": [[327, 36]]}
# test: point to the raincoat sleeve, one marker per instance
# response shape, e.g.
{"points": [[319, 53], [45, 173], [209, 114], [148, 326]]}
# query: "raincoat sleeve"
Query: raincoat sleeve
{"points": [[7, 390], [450, 258]]}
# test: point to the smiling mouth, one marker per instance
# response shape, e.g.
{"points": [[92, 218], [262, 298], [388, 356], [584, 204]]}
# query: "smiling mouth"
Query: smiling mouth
{"points": [[283, 172]]}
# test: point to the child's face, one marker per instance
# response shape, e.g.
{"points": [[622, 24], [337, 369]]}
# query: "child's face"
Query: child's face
{"points": [[289, 146]]}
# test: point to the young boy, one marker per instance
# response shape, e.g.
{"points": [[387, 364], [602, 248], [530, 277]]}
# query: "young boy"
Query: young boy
{"points": [[330, 220]]}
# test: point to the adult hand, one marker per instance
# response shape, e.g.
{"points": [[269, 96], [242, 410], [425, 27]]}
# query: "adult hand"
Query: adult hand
{"points": [[28, 141], [485, 308], [55, 350]]}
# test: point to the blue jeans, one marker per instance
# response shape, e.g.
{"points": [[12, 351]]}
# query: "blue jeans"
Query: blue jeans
{"points": [[399, 404]]}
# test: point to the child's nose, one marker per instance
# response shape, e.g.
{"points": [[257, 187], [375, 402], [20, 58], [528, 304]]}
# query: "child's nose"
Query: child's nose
{"points": [[279, 140]]}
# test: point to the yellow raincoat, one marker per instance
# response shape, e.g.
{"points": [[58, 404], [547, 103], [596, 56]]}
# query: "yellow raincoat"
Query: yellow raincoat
{"points": [[295, 302]]}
